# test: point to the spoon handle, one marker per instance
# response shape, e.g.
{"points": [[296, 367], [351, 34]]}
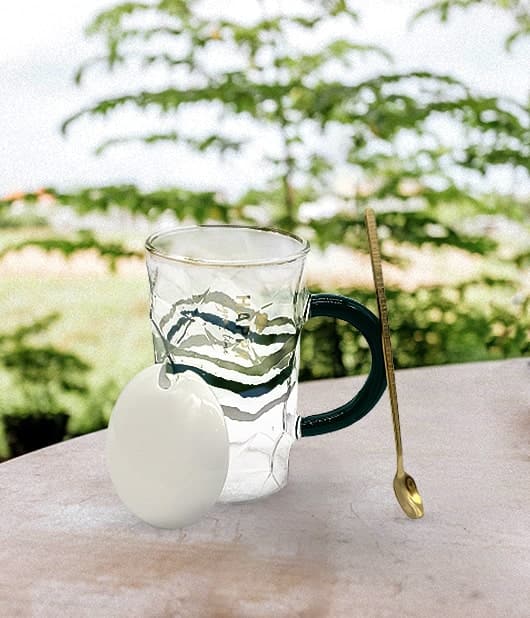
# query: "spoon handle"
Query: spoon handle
{"points": [[375, 257]]}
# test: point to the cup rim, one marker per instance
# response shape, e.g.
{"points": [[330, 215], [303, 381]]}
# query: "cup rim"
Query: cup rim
{"points": [[153, 250]]}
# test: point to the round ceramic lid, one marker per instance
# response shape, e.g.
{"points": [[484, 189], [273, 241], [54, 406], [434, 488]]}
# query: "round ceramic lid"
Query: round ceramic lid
{"points": [[167, 447]]}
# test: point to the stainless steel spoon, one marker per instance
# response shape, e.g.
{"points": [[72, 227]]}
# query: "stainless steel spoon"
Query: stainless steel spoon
{"points": [[405, 488]]}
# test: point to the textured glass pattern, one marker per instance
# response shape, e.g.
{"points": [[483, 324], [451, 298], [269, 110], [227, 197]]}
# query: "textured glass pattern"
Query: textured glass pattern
{"points": [[239, 328]]}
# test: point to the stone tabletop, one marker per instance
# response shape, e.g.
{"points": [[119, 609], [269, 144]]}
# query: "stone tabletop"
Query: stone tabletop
{"points": [[332, 543]]}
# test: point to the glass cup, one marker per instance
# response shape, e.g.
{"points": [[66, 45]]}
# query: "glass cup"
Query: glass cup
{"points": [[229, 303]]}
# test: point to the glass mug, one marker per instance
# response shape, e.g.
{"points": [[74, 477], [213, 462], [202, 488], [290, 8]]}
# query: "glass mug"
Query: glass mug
{"points": [[229, 302]]}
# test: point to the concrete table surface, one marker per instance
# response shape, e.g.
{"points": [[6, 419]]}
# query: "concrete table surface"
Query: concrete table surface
{"points": [[332, 543]]}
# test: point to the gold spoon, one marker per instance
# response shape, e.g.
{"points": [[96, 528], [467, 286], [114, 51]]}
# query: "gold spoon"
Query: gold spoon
{"points": [[407, 493]]}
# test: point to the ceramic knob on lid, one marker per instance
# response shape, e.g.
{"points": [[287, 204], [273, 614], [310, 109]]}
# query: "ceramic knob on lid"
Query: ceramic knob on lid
{"points": [[167, 447]]}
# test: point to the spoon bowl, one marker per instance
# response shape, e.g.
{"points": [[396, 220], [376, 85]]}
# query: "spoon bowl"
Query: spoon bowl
{"points": [[408, 496]]}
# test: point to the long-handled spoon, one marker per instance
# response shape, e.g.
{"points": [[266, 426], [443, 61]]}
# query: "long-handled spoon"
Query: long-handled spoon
{"points": [[407, 493]]}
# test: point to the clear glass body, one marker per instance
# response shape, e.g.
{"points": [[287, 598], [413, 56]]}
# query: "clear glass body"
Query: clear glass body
{"points": [[229, 302]]}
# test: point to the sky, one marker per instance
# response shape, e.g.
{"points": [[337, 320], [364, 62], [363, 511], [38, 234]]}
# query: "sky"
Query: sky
{"points": [[42, 43]]}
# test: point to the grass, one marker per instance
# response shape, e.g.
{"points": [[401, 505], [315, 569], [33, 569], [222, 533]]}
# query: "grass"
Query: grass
{"points": [[104, 320]]}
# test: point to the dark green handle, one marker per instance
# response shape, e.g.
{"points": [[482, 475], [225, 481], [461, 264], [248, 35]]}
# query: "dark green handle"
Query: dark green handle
{"points": [[335, 306]]}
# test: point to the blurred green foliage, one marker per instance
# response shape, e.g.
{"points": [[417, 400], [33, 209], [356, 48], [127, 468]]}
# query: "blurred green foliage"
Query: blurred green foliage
{"points": [[430, 326], [385, 130], [42, 375], [48, 382], [41, 372]]}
